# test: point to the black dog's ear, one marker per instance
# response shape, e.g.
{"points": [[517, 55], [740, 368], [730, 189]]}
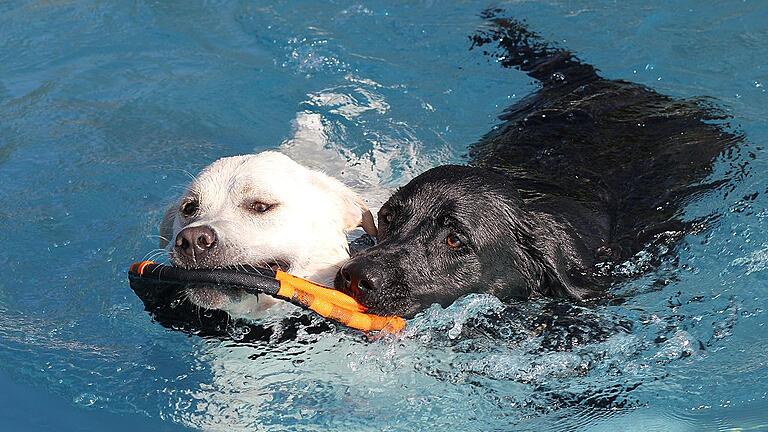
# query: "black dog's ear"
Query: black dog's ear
{"points": [[557, 280], [553, 265]]}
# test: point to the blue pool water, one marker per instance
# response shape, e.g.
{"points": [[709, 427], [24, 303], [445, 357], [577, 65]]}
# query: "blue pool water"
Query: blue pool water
{"points": [[105, 106]]}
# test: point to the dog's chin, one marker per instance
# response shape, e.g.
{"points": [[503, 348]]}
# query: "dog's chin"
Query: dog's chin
{"points": [[211, 296], [401, 308], [380, 305], [235, 302]]}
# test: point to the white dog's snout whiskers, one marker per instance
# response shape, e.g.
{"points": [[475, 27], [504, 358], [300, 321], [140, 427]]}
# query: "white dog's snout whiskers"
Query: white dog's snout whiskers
{"points": [[154, 254]]}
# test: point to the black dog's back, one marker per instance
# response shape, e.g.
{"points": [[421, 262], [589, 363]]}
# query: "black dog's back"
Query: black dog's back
{"points": [[629, 155]]}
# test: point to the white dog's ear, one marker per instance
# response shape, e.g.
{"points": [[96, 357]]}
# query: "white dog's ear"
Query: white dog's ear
{"points": [[361, 217], [355, 212], [166, 226]]}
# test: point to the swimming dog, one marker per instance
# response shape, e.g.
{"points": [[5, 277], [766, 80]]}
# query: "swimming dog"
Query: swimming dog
{"points": [[580, 176]]}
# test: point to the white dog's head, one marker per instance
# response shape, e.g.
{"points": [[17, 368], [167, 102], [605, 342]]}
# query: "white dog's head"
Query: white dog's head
{"points": [[262, 210]]}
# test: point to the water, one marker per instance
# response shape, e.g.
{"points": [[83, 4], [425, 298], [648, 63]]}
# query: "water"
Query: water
{"points": [[104, 107]]}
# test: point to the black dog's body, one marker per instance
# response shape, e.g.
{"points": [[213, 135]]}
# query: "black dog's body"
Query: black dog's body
{"points": [[585, 171]]}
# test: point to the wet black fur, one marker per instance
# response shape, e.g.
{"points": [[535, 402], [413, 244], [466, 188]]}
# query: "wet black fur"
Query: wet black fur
{"points": [[580, 176]]}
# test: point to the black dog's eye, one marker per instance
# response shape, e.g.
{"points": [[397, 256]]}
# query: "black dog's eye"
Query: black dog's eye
{"points": [[454, 241], [189, 208], [259, 207]]}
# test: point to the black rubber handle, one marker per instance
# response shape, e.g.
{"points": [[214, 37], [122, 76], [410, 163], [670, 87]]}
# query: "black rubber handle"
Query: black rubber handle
{"points": [[250, 279]]}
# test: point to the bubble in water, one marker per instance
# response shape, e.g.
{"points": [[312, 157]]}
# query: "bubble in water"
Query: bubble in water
{"points": [[86, 399]]}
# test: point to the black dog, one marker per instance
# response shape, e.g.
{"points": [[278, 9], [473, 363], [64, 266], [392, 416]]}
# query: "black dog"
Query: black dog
{"points": [[583, 174]]}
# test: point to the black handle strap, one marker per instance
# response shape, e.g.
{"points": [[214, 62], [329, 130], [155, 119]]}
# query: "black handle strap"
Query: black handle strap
{"points": [[250, 279]]}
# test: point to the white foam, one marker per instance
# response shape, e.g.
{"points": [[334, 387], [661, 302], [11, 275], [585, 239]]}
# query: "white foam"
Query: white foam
{"points": [[757, 261]]}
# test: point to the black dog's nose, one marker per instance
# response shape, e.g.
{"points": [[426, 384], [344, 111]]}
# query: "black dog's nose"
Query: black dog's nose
{"points": [[195, 241], [360, 276]]}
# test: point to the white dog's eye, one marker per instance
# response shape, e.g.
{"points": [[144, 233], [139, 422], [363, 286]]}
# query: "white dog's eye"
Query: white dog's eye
{"points": [[259, 207], [189, 208]]}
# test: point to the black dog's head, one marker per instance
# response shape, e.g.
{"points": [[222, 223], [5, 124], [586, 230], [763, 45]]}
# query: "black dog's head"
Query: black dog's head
{"points": [[452, 231]]}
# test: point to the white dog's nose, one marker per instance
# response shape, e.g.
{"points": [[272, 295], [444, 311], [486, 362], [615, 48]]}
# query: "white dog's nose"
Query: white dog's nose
{"points": [[195, 241]]}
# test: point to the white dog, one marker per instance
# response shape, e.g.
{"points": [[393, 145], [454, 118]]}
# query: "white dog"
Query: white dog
{"points": [[263, 210]]}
